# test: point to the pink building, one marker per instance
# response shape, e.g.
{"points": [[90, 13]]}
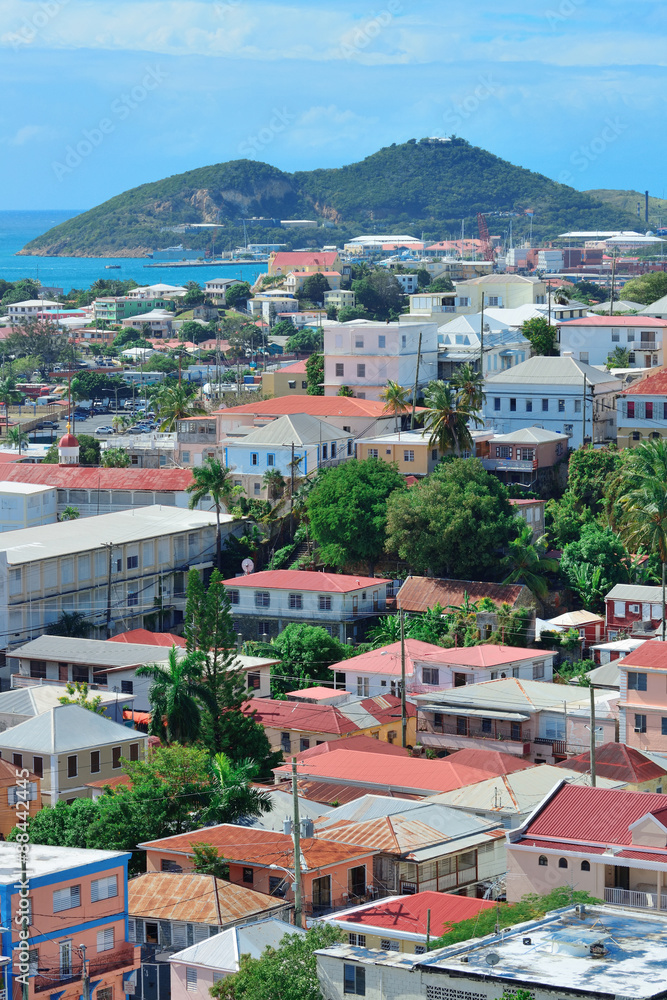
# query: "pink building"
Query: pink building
{"points": [[608, 842], [643, 697], [364, 356]]}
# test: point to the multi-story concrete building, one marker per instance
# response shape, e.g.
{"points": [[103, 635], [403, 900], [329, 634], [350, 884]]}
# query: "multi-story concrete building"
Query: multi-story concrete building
{"points": [[593, 338], [641, 410], [363, 356], [559, 394], [114, 309], [26, 505], [110, 569]]}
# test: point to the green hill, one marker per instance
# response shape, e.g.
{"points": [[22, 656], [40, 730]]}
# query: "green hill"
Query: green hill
{"points": [[427, 186], [627, 201]]}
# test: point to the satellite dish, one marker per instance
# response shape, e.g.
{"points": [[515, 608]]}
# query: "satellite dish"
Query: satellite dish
{"points": [[492, 958], [247, 566]]}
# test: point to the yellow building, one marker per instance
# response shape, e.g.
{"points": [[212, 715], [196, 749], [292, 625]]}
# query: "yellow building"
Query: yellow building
{"points": [[410, 451], [642, 410], [290, 380]]}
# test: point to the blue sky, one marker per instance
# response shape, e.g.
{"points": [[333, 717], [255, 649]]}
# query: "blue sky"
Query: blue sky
{"points": [[102, 95]]}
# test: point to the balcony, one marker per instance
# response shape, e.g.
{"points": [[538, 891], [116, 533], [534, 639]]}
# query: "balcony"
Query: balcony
{"points": [[121, 958], [453, 736], [634, 898], [646, 345], [508, 465]]}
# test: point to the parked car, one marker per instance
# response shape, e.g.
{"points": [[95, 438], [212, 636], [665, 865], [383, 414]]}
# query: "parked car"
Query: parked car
{"points": [[136, 430], [105, 430], [50, 423]]}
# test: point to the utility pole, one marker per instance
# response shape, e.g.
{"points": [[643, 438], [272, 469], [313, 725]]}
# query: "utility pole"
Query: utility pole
{"points": [[404, 721], [414, 391], [84, 974], [24, 883], [109, 546], [291, 493], [296, 834], [613, 282], [481, 340], [583, 416], [592, 752]]}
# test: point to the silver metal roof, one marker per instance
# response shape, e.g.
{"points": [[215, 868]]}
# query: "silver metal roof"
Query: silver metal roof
{"points": [[64, 729], [222, 951], [553, 371]]}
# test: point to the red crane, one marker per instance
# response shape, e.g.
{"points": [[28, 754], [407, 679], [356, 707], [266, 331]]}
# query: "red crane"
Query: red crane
{"points": [[484, 236]]}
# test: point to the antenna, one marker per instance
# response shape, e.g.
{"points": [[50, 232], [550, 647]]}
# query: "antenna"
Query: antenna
{"points": [[492, 958]]}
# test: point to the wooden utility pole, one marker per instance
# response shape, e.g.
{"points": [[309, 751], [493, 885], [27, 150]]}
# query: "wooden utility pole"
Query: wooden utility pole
{"points": [[592, 744], [404, 720], [416, 385], [109, 546], [296, 834]]}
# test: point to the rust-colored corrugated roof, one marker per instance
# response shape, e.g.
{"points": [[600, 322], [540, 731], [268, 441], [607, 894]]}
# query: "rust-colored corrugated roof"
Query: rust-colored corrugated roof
{"points": [[301, 716], [316, 406], [191, 897], [420, 593], [617, 761], [142, 637], [92, 478], [259, 847], [495, 762], [650, 655], [390, 834], [329, 792]]}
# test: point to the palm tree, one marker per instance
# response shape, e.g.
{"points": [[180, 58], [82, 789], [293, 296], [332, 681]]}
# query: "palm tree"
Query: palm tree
{"points": [[446, 419], [644, 520], [395, 399], [529, 562], [275, 481], [69, 514], [71, 624], [17, 438], [119, 422], [234, 797], [469, 385], [9, 394], [175, 714], [212, 481], [173, 403]]}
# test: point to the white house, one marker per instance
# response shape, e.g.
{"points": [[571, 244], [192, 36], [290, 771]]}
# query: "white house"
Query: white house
{"points": [[30, 307], [26, 505], [593, 338], [265, 603], [216, 289], [459, 343], [559, 394], [363, 355]]}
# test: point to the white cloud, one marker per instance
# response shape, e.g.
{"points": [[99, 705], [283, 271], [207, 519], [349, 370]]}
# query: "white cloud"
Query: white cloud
{"points": [[30, 133]]}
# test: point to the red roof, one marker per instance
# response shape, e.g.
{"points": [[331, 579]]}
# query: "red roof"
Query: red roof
{"points": [[414, 773], [300, 258], [652, 654], [10, 458], [316, 693], [643, 321], [617, 761], [68, 441], [262, 847], [302, 716], [296, 579], [296, 368], [357, 744], [315, 406], [492, 655], [410, 913], [387, 659], [490, 760], [80, 477], [142, 637], [526, 503], [652, 385], [596, 815]]}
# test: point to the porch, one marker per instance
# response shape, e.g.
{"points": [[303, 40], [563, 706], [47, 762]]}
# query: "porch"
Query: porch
{"points": [[638, 888], [473, 730]]}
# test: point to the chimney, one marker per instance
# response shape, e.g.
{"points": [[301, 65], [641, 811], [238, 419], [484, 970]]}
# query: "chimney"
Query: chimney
{"points": [[646, 207]]}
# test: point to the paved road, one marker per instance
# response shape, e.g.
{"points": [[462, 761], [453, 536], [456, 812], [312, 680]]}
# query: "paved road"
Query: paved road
{"points": [[87, 426]]}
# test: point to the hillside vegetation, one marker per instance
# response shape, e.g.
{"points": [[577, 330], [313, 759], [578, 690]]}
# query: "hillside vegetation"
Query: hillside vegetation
{"points": [[626, 201], [415, 186]]}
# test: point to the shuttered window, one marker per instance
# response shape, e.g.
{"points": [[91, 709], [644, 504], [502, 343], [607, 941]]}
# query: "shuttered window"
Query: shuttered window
{"points": [[105, 939], [103, 888], [66, 899], [190, 978]]}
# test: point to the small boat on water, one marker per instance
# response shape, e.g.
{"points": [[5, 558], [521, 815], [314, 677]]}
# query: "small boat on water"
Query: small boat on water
{"points": [[111, 267]]}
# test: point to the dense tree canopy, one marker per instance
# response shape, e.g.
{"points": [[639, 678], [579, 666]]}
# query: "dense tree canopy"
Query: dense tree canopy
{"points": [[646, 288]]}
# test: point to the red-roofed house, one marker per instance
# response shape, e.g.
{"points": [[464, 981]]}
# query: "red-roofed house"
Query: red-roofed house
{"points": [[333, 872], [295, 726], [593, 338], [288, 380], [642, 409], [622, 763], [284, 261], [608, 842], [401, 923], [357, 744], [429, 667], [145, 638], [643, 697], [264, 603]]}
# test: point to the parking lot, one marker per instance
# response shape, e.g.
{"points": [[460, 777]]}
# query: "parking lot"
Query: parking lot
{"points": [[87, 426]]}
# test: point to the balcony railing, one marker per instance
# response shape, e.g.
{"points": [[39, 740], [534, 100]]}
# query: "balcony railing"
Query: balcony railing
{"points": [[473, 729], [632, 897], [645, 345], [49, 979]]}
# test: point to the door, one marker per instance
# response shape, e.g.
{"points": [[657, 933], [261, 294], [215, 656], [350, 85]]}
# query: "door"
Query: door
{"points": [[152, 933], [321, 893], [621, 878], [459, 680], [66, 959]]}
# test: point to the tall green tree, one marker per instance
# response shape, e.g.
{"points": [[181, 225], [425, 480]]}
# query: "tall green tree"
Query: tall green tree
{"points": [[600, 548], [396, 400], [9, 396], [468, 383], [528, 562], [315, 286], [541, 336], [212, 480], [457, 522], [237, 295], [17, 438], [446, 419], [347, 510], [175, 715], [305, 654], [315, 375], [174, 402]]}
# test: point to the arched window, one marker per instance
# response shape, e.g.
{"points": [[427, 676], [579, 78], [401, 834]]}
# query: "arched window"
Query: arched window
{"points": [[585, 866], [543, 860], [562, 862]]}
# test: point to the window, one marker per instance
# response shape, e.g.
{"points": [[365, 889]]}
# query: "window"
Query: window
{"points": [[72, 766], [270, 460], [487, 726], [263, 628], [561, 406], [649, 411], [408, 455], [527, 455], [169, 866], [295, 602], [38, 669], [324, 602], [354, 980], [631, 336], [254, 682], [585, 866], [361, 371], [664, 726], [420, 949], [254, 458], [363, 687], [630, 406], [38, 766], [94, 761], [577, 406], [431, 675], [234, 596], [545, 406], [132, 598], [103, 888], [132, 562], [190, 978], [636, 436], [66, 899], [340, 371], [134, 751], [543, 861], [291, 384], [382, 340], [562, 862], [512, 405], [17, 759], [248, 874], [358, 341], [373, 453], [185, 458], [529, 406], [325, 453], [277, 885], [496, 403], [359, 940], [636, 682], [105, 939], [262, 599], [127, 687], [538, 670], [615, 336], [115, 757], [386, 944], [304, 744], [640, 723]]}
